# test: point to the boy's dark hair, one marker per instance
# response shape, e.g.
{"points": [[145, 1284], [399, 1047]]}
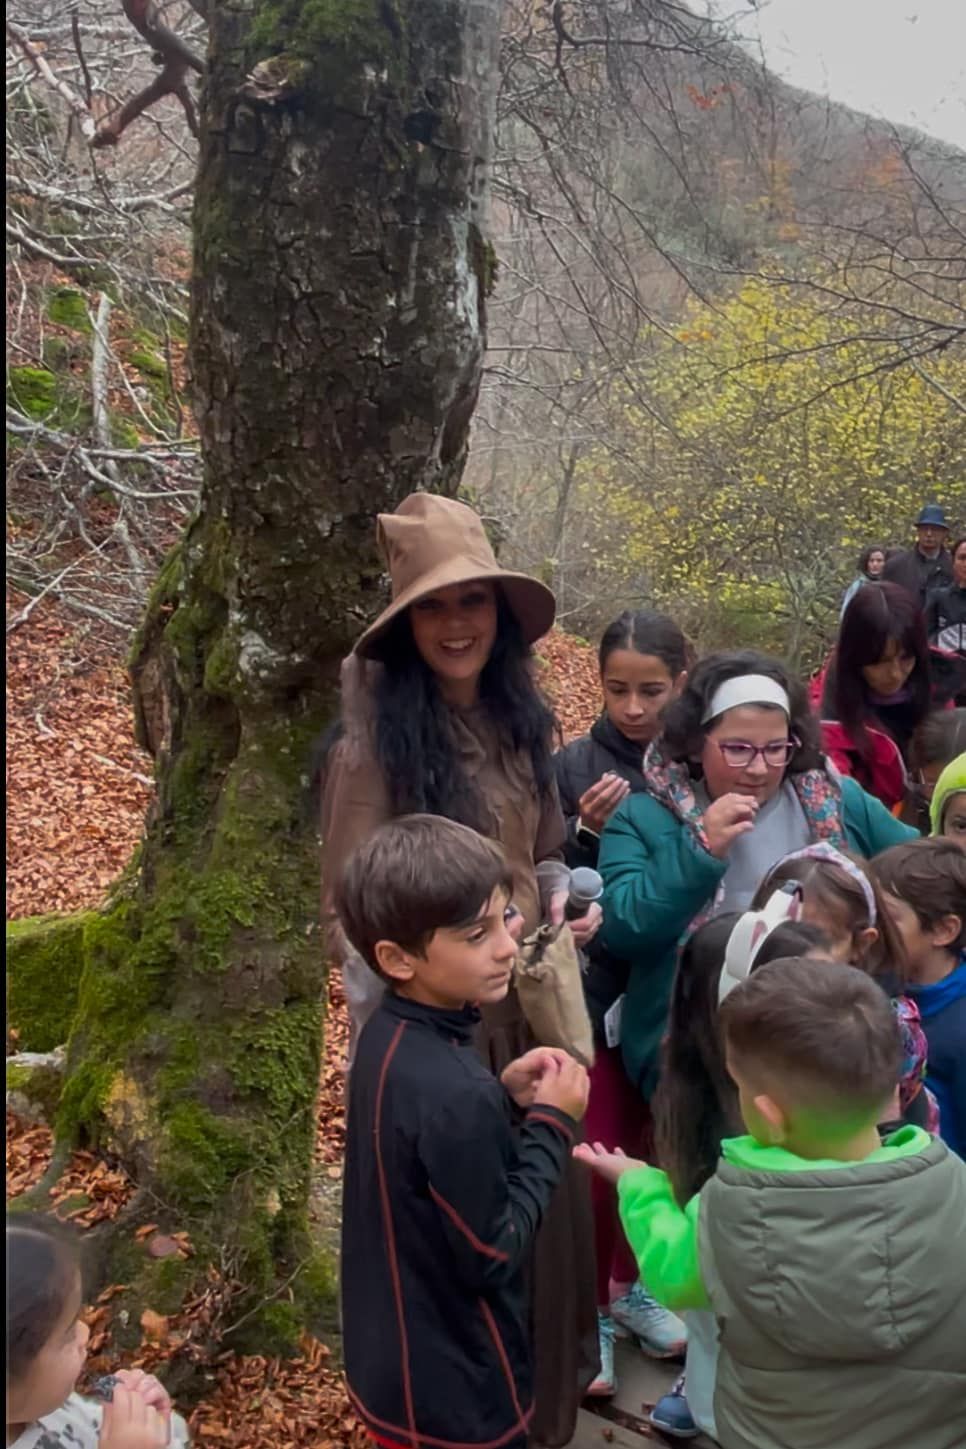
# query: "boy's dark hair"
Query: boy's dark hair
{"points": [[42, 1266], [415, 876], [696, 1103], [684, 733], [939, 739], [930, 877], [828, 1029]]}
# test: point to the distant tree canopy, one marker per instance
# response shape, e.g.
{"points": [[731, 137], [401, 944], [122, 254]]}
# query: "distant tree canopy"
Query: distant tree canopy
{"points": [[754, 452]]}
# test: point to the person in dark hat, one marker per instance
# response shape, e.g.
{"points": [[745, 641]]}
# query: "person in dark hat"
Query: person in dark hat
{"points": [[928, 566]]}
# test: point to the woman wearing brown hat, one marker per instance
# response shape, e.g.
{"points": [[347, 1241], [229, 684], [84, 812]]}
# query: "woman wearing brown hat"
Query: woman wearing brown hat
{"points": [[441, 713]]}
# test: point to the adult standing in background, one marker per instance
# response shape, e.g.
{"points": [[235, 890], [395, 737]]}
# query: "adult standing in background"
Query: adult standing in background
{"points": [[441, 714], [946, 607], [871, 564], [928, 566]]}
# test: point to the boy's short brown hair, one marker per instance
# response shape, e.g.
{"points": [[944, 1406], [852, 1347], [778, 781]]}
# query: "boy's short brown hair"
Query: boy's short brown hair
{"points": [[413, 877], [930, 877], [827, 1029]]}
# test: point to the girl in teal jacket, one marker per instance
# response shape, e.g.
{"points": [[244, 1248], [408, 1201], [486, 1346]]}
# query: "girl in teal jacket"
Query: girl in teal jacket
{"points": [[736, 782]]}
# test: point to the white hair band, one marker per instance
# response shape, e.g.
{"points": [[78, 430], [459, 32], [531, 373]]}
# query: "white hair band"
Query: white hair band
{"points": [[750, 933], [747, 689]]}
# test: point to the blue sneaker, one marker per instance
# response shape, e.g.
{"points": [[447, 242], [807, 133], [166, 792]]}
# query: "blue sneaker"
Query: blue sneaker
{"points": [[661, 1334], [605, 1384], [672, 1416]]}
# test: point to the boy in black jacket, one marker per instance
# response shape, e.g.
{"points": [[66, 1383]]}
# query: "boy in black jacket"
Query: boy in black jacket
{"points": [[448, 1171]]}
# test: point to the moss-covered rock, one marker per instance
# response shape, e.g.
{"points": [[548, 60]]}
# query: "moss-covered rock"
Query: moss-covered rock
{"points": [[149, 364], [34, 1084], [54, 398], [44, 963], [68, 308], [33, 390], [123, 432]]}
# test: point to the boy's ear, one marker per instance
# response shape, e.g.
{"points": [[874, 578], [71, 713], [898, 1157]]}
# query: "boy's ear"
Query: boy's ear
{"points": [[773, 1119], [393, 961], [946, 930]]}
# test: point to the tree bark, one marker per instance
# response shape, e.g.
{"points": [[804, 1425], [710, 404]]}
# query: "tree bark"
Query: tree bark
{"points": [[337, 335]]}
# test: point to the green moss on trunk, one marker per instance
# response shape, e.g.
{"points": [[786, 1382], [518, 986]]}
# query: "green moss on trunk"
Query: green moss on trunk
{"points": [[44, 963]]}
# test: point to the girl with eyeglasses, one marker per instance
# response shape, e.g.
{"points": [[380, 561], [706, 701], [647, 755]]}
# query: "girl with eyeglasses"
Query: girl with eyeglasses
{"points": [[735, 782]]}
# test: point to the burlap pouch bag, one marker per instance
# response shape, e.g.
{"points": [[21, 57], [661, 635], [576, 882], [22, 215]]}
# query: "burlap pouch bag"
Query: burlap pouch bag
{"points": [[551, 993]]}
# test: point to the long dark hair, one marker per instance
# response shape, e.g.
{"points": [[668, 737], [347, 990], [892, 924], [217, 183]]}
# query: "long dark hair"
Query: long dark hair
{"points": [[876, 617], [42, 1268], [646, 632], [414, 740], [684, 734], [696, 1103]]}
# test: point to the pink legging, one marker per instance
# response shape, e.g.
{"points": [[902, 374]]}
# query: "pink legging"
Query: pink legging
{"points": [[617, 1116]]}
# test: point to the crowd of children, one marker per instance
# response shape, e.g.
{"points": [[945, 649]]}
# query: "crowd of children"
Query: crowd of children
{"points": [[778, 1002]]}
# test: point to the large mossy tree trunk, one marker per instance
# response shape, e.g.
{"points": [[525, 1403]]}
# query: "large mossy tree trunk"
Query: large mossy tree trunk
{"points": [[336, 347]]}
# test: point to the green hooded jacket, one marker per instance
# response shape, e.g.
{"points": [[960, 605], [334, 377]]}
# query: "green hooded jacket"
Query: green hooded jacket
{"points": [[839, 1289], [657, 879]]}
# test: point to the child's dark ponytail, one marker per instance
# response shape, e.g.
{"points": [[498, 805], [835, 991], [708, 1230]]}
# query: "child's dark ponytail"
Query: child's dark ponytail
{"points": [[696, 1103], [42, 1269]]}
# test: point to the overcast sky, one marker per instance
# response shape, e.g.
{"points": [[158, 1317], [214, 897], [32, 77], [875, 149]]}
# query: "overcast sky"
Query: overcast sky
{"points": [[904, 60]]}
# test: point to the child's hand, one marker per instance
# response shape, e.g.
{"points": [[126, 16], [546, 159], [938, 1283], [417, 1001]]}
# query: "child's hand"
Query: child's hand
{"points": [[152, 1390], [522, 1077], [728, 817], [564, 1085], [609, 1165], [130, 1423]]}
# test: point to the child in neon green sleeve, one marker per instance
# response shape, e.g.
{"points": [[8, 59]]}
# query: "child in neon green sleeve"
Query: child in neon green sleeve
{"points": [[835, 1264]]}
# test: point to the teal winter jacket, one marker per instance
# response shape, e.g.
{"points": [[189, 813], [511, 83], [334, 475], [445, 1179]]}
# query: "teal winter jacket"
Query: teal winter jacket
{"points": [[657, 879]]}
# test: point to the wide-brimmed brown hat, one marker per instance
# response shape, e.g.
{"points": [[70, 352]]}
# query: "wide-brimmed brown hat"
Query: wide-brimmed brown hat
{"points": [[432, 542]]}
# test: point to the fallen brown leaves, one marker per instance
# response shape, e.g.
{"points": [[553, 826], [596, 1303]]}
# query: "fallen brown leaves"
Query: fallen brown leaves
{"points": [[288, 1403], [330, 1125], [75, 811], [28, 1153], [569, 674], [88, 1191], [77, 785]]}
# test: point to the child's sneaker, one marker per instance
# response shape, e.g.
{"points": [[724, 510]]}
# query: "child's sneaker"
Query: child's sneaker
{"points": [[660, 1333], [605, 1384], [672, 1416]]}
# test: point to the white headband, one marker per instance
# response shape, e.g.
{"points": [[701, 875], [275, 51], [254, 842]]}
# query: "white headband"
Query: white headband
{"points": [[747, 689], [750, 933]]}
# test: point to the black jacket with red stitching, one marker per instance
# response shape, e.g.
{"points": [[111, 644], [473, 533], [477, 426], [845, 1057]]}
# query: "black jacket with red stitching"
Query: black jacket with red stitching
{"points": [[446, 1182]]}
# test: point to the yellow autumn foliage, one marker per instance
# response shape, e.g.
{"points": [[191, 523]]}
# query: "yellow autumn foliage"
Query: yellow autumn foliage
{"points": [[752, 456]]}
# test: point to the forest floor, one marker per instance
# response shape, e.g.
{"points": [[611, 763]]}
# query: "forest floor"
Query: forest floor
{"points": [[77, 789]]}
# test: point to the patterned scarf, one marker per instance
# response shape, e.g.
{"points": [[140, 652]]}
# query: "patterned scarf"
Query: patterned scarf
{"points": [[669, 781]]}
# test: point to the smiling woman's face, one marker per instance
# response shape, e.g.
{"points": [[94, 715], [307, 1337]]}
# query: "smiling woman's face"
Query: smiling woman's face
{"points": [[454, 630]]}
